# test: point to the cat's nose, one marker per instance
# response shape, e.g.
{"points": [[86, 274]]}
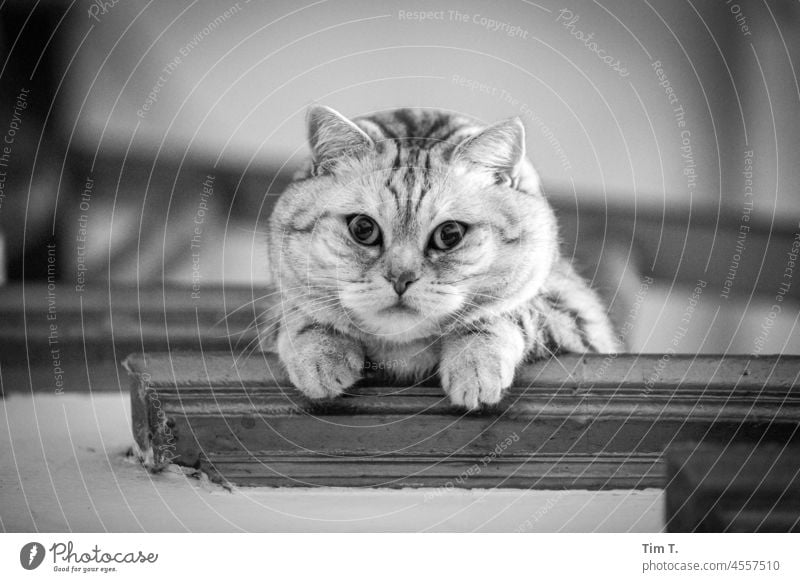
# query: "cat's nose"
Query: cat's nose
{"points": [[403, 280]]}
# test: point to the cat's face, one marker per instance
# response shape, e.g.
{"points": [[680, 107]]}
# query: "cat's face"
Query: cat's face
{"points": [[405, 243]]}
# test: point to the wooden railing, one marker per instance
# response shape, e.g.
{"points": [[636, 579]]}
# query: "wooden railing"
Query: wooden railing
{"points": [[594, 422]]}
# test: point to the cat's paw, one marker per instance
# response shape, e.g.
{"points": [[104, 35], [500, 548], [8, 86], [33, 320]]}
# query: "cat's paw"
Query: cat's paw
{"points": [[324, 369], [474, 374]]}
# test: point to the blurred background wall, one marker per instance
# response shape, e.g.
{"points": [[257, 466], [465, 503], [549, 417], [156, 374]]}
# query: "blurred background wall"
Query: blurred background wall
{"points": [[156, 136]]}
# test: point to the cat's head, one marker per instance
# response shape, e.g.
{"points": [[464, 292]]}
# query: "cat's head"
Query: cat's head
{"points": [[411, 222]]}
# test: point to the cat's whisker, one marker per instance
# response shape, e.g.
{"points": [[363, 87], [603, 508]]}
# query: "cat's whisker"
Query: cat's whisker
{"points": [[554, 356], [472, 294], [264, 297], [317, 305], [247, 351], [253, 344], [252, 231], [263, 314], [339, 280], [252, 326]]}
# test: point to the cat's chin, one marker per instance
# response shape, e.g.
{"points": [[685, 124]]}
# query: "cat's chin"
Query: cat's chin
{"points": [[400, 309], [398, 324]]}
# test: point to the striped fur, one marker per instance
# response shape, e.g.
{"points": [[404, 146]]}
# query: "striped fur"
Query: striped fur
{"points": [[473, 312]]}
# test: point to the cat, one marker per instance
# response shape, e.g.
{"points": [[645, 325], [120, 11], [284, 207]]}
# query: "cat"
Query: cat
{"points": [[422, 240]]}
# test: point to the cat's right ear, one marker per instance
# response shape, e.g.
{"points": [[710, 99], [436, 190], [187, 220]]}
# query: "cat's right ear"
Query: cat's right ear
{"points": [[499, 148], [332, 136]]}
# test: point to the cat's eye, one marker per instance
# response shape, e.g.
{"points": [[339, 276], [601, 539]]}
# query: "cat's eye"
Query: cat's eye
{"points": [[447, 235], [364, 230]]}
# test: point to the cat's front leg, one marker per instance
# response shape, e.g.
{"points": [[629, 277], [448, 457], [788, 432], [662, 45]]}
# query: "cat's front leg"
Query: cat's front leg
{"points": [[477, 365], [321, 362]]}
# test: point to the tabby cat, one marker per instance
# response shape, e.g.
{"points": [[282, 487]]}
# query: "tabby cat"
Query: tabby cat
{"points": [[422, 240]]}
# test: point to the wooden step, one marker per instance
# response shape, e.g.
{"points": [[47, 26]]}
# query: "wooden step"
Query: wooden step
{"points": [[588, 422]]}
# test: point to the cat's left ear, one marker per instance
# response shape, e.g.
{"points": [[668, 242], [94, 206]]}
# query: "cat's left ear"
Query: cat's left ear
{"points": [[499, 148], [332, 136]]}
